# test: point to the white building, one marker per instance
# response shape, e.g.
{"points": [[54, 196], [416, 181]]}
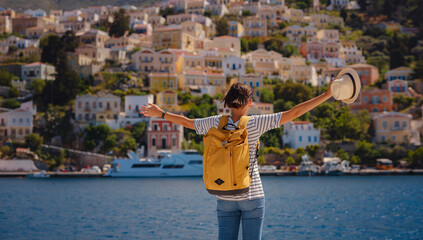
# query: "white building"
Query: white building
{"points": [[38, 70], [233, 66], [134, 103], [300, 134], [15, 124]]}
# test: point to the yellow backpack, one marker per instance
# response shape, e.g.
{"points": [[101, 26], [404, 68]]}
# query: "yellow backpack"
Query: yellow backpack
{"points": [[226, 159]]}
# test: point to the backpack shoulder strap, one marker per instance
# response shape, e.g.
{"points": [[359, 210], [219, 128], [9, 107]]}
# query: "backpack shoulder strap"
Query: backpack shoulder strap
{"points": [[242, 124], [223, 121]]}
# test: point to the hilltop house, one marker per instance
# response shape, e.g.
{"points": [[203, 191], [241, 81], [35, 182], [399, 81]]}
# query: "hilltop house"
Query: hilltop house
{"points": [[300, 134]]}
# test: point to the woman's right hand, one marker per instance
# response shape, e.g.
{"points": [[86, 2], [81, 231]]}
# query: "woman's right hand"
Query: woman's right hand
{"points": [[151, 111]]}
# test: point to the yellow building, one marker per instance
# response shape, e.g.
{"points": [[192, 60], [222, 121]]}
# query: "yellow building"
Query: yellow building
{"points": [[194, 6], [189, 62], [214, 62], [172, 37], [393, 127], [168, 100], [162, 81], [296, 15], [284, 68]]}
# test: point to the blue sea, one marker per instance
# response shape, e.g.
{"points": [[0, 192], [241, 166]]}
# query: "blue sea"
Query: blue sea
{"points": [[348, 207]]}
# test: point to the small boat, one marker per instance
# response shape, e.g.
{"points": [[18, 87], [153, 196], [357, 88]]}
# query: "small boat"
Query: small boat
{"points": [[42, 174], [187, 163], [307, 168], [332, 166]]}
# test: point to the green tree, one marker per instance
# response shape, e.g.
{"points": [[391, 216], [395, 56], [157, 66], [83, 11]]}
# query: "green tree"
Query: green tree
{"points": [[402, 102], [418, 69], [246, 13], [324, 115], [120, 24], [267, 95], [6, 78], [34, 141], [70, 41], [222, 26], [94, 135], [299, 153], [13, 92], [289, 50], [11, 104], [138, 130], [244, 45], [109, 143], [207, 13], [51, 45], [128, 144], [67, 83], [37, 86], [12, 50], [6, 151], [355, 159], [312, 150], [272, 138], [167, 11], [366, 152], [292, 91], [290, 161], [342, 154], [415, 158]]}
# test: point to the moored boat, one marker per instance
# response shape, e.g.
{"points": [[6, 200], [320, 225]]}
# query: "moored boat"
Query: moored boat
{"points": [[186, 163]]}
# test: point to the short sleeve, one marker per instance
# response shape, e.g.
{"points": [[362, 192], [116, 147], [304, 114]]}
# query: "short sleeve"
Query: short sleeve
{"points": [[267, 122], [202, 125]]}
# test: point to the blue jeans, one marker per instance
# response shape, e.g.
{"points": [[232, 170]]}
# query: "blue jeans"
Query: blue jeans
{"points": [[230, 213]]}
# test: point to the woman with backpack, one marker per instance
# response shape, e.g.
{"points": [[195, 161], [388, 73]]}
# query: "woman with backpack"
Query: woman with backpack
{"points": [[246, 208]]}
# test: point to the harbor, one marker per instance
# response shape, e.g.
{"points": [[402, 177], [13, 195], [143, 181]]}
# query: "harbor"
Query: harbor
{"points": [[281, 173]]}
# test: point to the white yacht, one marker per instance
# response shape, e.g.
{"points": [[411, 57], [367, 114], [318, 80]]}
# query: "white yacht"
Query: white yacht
{"points": [[332, 166], [187, 163], [307, 168]]}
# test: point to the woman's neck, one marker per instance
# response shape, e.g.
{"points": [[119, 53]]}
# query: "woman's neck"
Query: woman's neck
{"points": [[237, 114]]}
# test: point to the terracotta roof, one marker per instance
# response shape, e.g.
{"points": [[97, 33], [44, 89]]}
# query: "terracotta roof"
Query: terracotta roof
{"points": [[300, 122]]}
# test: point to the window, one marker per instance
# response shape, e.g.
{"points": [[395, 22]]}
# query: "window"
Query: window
{"points": [[309, 138], [383, 138], [300, 138], [315, 139], [174, 141], [155, 127], [165, 127], [153, 141], [385, 99], [385, 124], [404, 124]]}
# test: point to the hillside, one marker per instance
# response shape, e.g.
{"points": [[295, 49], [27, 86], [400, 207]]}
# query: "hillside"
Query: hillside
{"points": [[67, 4]]}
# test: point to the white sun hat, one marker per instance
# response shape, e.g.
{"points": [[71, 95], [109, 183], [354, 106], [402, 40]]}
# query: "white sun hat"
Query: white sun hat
{"points": [[347, 86]]}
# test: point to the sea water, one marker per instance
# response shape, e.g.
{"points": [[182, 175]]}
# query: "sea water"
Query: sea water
{"points": [[360, 207]]}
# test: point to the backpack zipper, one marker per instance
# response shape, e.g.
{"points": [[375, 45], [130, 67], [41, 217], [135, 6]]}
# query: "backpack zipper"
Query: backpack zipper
{"points": [[232, 170]]}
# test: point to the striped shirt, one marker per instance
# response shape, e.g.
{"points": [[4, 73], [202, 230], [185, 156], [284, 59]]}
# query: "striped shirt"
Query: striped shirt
{"points": [[257, 125]]}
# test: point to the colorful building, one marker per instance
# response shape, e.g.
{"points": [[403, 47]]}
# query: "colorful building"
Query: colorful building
{"points": [[393, 127], [164, 135]]}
